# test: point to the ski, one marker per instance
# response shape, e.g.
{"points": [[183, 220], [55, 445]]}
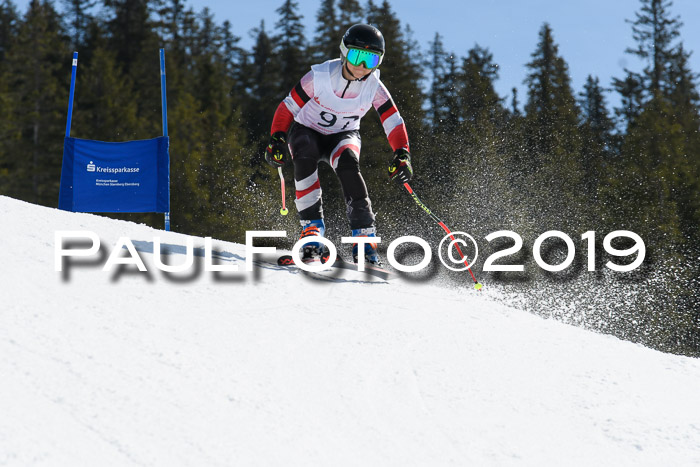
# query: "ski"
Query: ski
{"points": [[287, 260]]}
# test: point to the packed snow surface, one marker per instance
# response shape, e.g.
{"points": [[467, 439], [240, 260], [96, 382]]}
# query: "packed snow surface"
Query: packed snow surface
{"points": [[277, 367]]}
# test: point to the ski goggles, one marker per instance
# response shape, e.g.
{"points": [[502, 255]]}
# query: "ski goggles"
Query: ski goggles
{"points": [[359, 56]]}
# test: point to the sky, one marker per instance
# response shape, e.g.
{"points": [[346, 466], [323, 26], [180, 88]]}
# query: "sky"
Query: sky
{"points": [[592, 35]]}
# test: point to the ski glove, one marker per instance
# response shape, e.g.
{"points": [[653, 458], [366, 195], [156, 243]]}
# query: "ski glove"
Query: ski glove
{"points": [[400, 168], [277, 151]]}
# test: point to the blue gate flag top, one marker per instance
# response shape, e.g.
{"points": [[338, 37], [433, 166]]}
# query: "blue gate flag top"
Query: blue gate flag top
{"points": [[99, 176]]}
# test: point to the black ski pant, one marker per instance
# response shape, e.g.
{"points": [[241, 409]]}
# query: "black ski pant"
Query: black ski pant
{"points": [[342, 152]]}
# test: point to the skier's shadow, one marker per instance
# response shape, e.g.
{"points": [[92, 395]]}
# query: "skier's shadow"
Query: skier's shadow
{"points": [[411, 255], [92, 262], [169, 251]]}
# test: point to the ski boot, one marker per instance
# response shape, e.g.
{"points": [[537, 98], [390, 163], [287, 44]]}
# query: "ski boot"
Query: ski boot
{"points": [[371, 255], [312, 250]]}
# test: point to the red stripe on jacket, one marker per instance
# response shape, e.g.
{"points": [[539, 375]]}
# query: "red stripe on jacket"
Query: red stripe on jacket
{"points": [[282, 120], [392, 110], [398, 138]]}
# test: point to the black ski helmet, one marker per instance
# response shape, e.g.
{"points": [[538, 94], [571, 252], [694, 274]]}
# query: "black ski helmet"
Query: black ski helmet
{"points": [[362, 36]]}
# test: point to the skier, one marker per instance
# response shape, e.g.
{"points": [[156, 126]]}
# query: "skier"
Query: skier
{"points": [[319, 120]]}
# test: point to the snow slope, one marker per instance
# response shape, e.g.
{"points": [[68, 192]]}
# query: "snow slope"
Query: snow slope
{"points": [[98, 368]]}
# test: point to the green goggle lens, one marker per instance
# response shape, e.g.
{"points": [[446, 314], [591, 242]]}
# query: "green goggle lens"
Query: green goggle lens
{"points": [[369, 58]]}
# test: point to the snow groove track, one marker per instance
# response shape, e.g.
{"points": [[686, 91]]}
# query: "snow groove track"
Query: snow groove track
{"points": [[278, 369]]}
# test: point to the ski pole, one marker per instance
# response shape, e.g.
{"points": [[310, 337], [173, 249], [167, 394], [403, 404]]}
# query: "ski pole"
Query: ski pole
{"points": [[477, 284], [284, 209]]}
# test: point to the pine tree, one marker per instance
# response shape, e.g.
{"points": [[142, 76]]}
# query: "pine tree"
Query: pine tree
{"points": [[131, 33], [664, 133], [171, 22], [36, 69], [631, 90], [9, 134], [211, 83], [438, 88], [550, 97], [478, 98], [178, 31], [328, 33], [290, 46], [104, 108], [129, 27], [554, 145], [264, 93], [351, 12], [452, 97], [685, 100], [594, 113], [653, 187], [444, 115], [234, 58], [597, 133], [478, 141], [551, 106], [515, 148], [514, 103], [651, 149], [232, 52], [655, 31], [9, 24], [80, 18], [9, 19], [683, 91]]}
